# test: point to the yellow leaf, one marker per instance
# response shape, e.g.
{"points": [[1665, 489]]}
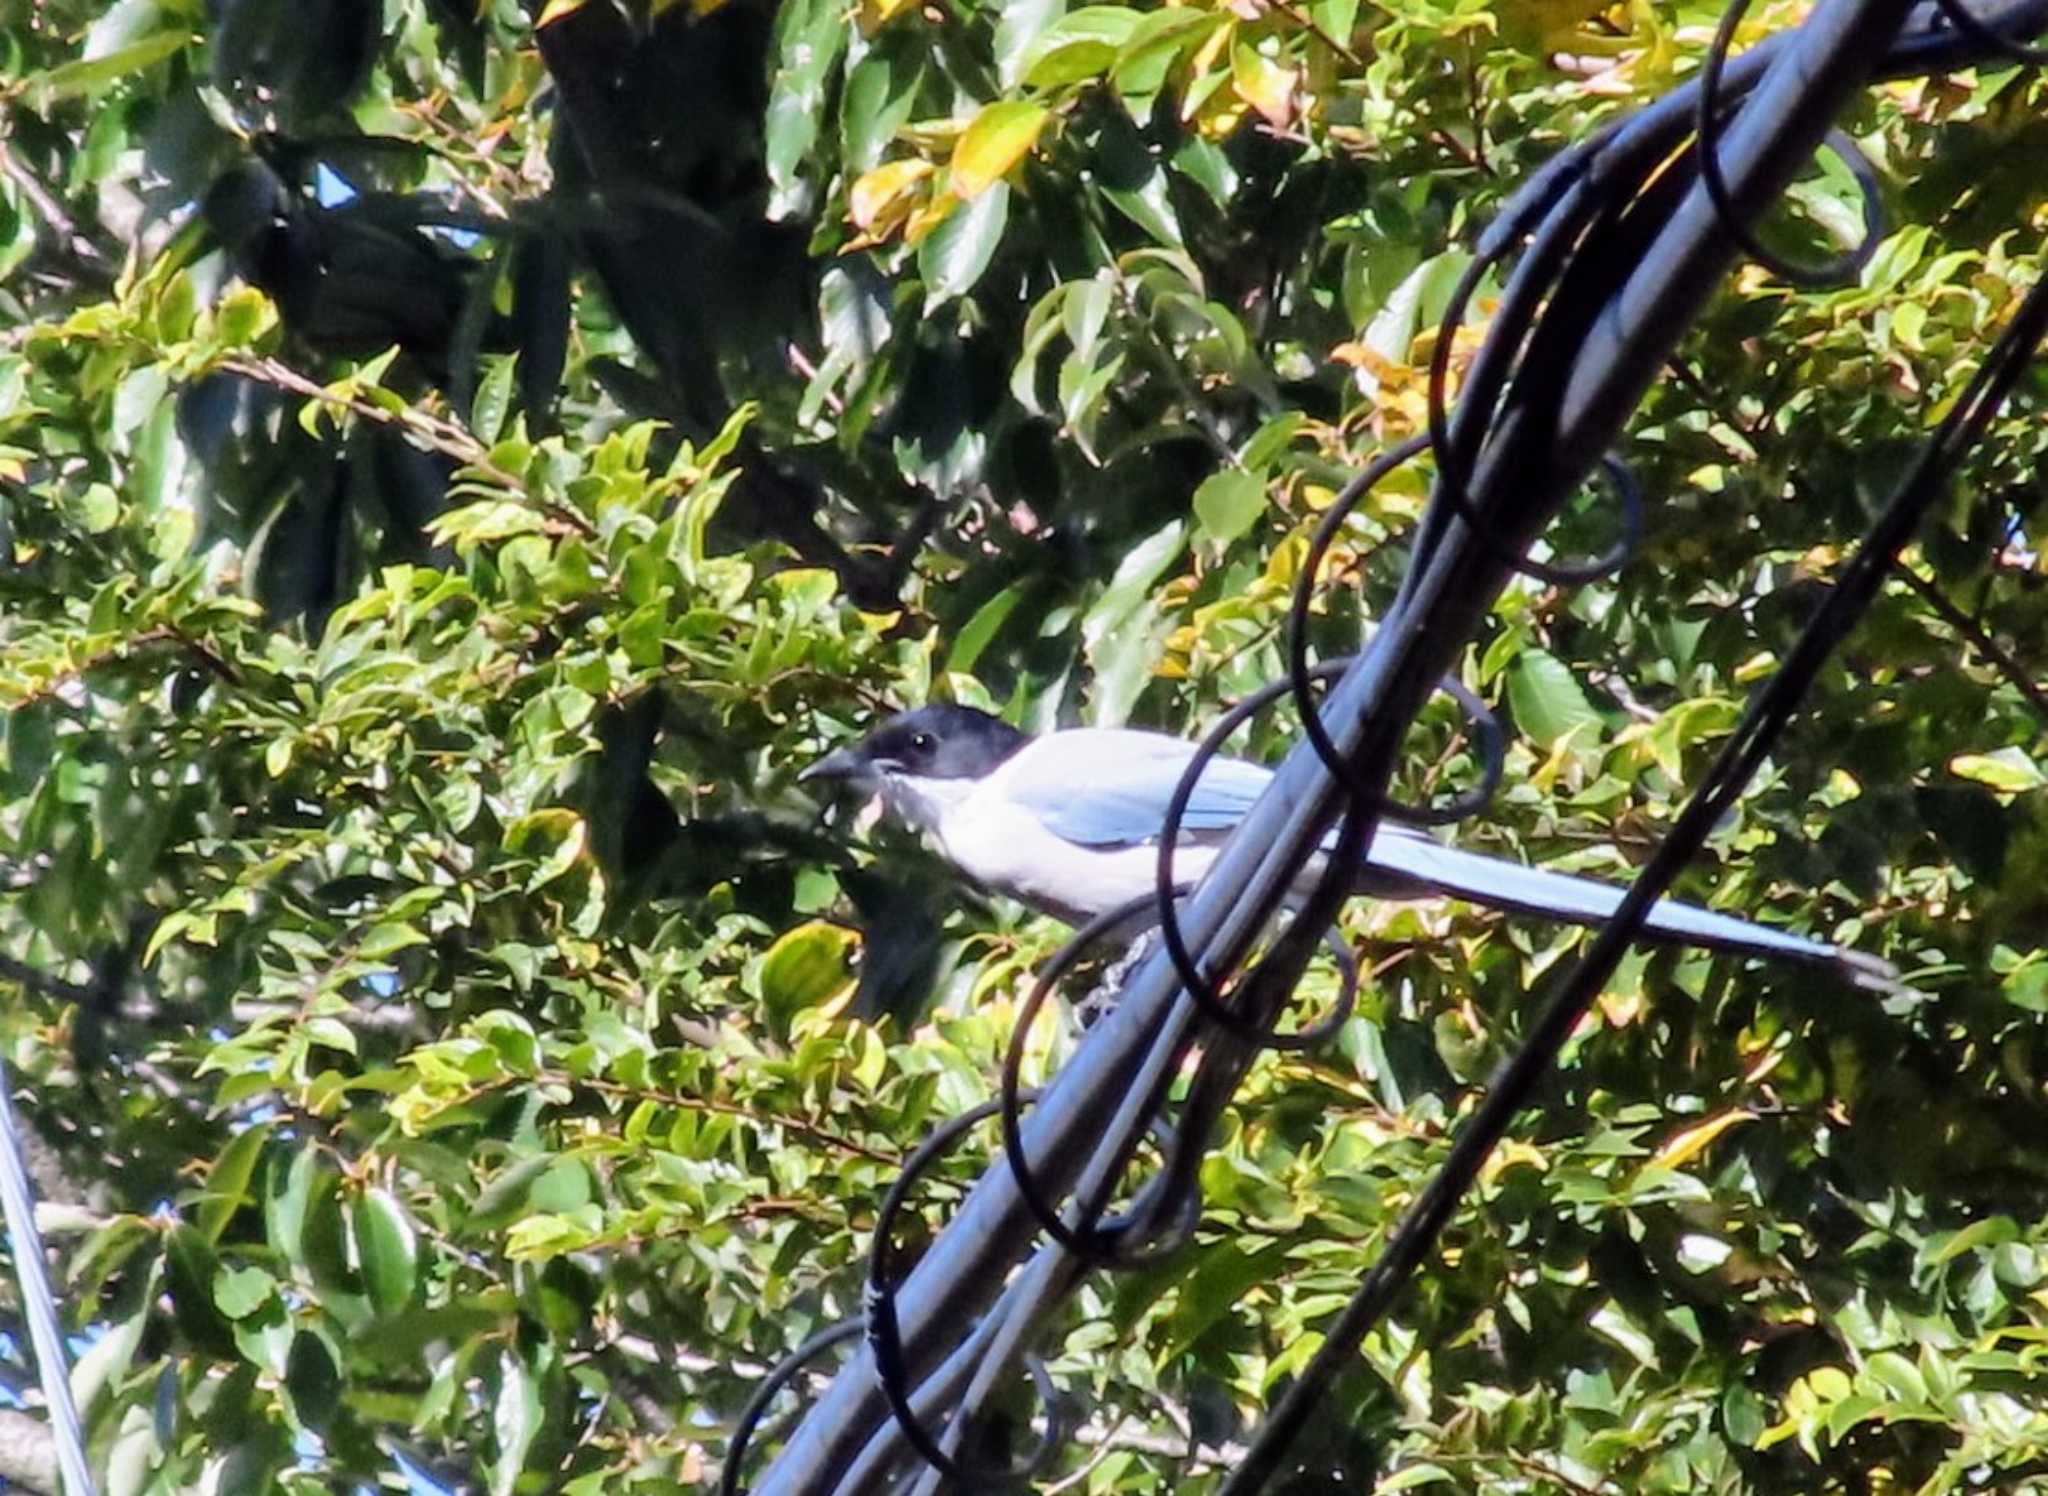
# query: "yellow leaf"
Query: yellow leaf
{"points": [[556, 10], [1211, 49], [929, 217], [1263, 84], [933, 135], [883, 196], [996, 140], [872, 15], [1621, 1009], [1689, 1143], [1509, 1155], [1220, 120], [2009, 769]]}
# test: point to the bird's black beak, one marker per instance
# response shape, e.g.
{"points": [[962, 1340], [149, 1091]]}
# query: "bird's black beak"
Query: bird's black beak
{"points": [[844, 763]]}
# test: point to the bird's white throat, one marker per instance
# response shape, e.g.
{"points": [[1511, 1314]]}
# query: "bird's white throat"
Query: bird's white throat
{"points": [[921, 803]]}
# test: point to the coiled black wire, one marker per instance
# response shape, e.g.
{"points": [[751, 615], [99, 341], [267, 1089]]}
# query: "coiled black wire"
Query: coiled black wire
{"points": [[1453, 486], [757, 1406], [1489, 739], [1840, 271], [1554, 211], [1132, 1240], [885, 1334], [1120, 1241]]}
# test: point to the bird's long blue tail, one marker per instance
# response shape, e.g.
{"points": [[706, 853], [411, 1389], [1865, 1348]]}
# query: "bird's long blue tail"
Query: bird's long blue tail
{"points": [[1405, 863]]}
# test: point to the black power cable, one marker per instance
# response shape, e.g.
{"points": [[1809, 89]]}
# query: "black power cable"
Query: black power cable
{"points": [[1555, 211], [1766, 718]]}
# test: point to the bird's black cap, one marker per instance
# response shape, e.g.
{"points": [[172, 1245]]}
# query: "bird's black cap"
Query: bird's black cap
{"points": [[940, 741]]}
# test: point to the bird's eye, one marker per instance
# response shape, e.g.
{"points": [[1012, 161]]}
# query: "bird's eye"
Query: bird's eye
{"points": [[923, 742]]}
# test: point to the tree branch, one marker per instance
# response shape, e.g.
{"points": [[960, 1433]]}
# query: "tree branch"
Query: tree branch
{"points": [[36, 980], [85, 259]]}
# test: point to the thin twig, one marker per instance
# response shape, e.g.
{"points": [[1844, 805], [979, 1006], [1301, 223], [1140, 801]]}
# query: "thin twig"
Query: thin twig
{"points": [[200, 651], [797, 1125], [1309, 24], [430, 432], [2014, 672]]}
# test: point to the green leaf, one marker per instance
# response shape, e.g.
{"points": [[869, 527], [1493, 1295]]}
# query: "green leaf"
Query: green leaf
{"points": [[2027, 987], [1117, 640], [1272, 438], [1547, 701], [240, 1292], [1229, 502], [1418, 302], [1020, 24], [1898, 1376], [562, 833], [515, 1419], [996, 139], [277, 756], [132, 1454], [90, 74], [881, 93], [190, 1269], [324, 1249], [987, 622], [809, 36], [331, 1033], [123, 24], [292, 1183], [1991, 1232], [106, 1252], [505, 1197], [106, 1361], [94, 507], [954, 255], [493, 402], [386, 938], [1154, 45], [313, 1379], [1133, 178], [1220, 1278], [386, 1248], [809, 966], [1079, 46], [1414, 1477], [227, 1183]]}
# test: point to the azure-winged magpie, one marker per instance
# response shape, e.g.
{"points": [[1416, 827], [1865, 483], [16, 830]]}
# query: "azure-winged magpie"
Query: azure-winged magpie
{"points": [[1069, 824]]}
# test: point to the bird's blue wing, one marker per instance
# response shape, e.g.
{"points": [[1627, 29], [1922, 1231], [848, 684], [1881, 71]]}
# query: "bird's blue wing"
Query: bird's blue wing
{"points": [[1106, 787]]}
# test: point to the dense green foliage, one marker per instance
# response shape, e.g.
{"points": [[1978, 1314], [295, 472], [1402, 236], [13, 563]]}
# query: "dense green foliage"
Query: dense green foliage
{"points": [[457, 464]]}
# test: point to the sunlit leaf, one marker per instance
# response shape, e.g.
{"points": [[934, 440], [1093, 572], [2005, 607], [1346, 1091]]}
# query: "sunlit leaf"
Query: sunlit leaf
{"points": [[1229, 503], [1689, 1143], [997, 138], [1548, 703], [953, 258], [2009, 770]]}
